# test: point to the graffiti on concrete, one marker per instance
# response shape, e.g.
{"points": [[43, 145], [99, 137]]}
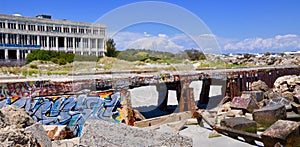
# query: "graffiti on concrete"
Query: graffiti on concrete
{"points": [[71, 110]]}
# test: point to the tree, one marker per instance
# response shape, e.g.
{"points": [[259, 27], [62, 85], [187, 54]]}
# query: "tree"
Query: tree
{"points": [[111, 48], [194, 54]]}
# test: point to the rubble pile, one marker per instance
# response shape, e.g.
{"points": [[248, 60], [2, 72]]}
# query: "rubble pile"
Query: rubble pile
{"points": [[264, 109], [275, 60]]}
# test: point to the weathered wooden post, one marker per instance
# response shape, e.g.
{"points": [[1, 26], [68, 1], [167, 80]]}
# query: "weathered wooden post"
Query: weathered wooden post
{"points": [[204, 95]]}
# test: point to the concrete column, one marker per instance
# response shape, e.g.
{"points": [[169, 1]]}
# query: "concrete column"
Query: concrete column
{"points": [[38, 40], [56, 43], [26, 26], [18, 39], [18, 54], [65, 43], [74, 45], [17, 25], [6, 24], [97, 49], [81, 45], [89, 45], [48, 43], [6, 38], [6, 54], [28, 39]]}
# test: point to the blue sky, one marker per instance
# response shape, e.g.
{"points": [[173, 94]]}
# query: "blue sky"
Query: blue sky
{"points": [[238, 25]]}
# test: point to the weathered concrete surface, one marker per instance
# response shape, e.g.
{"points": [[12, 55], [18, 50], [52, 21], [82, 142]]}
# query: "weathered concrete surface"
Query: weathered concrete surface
{"points": [[269, 114], [102, 133], [40, 134], [282, 131], [240, 123], [248, 104]]}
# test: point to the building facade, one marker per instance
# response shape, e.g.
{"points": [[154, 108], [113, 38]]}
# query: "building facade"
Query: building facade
{"points": [[20, 35]]}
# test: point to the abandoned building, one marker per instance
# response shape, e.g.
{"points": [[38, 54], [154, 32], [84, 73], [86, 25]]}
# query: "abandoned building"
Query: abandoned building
{"points": [[20, 35]]}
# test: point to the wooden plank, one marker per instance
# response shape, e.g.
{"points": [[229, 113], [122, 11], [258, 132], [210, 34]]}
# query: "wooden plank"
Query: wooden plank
{"points": [[163, 119]]}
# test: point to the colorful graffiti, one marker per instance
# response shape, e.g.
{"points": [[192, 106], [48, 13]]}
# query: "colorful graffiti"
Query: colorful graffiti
{"points": [[71, 110]]}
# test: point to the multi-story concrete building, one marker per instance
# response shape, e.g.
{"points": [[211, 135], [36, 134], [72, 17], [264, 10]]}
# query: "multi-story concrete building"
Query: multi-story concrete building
{"points": [[20, 35]]}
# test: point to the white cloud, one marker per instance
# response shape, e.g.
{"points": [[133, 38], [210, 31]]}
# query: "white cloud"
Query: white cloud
{"points": [[179, 42], [277, 43], [162, 35]]}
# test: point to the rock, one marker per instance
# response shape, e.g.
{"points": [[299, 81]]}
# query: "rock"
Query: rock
{"points": [[58, 132], [256, 95], [17, 116], [279, 101], [270, 94], [40, 135], [13, 136], [267, 115], [13, 120], [191, 121], [230, 114], [103, 133], [240, 123], [296, 107], [259, 86], [225, 107], [288, 95], [283, 131], [248, 104]]}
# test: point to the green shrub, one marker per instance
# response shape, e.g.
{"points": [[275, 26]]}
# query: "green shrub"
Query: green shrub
{"points": [[33, 66]]}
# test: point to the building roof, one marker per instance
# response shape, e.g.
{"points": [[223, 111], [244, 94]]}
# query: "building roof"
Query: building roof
{"points": [[49, 21]]}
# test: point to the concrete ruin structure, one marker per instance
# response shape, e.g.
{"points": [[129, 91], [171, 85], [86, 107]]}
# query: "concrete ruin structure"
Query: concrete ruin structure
{"points": [[20, 35]]}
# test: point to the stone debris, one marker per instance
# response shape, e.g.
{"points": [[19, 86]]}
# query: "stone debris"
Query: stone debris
{"points": [[58, 132], [102, 133], [266, 116], [248, 104], [256, 95], [283, 131], [214, 134], [259, 86]]}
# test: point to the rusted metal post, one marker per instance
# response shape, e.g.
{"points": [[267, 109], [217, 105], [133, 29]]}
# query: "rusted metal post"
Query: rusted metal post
{"points": [[162, 96]]}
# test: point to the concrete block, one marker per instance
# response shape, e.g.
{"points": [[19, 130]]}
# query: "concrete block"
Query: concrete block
{"points": [[266, 116], [283, 131], [244, 103], [256, 95], [240, 123]]}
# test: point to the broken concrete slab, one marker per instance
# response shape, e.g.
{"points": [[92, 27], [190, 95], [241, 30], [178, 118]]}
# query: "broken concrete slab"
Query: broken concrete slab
{"points": [[247, 104], [283, 131], [39, 134], [266, 116], [256, 95]]}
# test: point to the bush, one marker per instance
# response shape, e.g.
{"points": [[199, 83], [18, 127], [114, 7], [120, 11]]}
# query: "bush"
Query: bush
{"points": [[33, 66]]}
